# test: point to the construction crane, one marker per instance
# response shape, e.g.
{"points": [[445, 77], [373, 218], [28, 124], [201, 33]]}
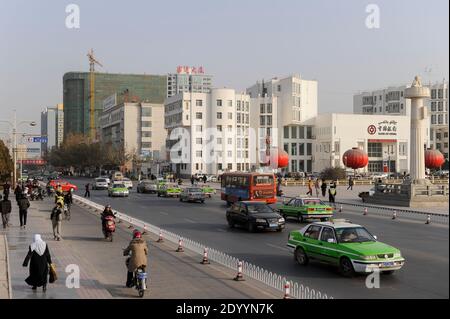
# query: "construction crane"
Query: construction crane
{"points": [[92, 62]]}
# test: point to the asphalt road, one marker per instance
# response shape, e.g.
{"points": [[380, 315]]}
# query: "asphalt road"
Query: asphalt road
{"points": [[425, 247]]}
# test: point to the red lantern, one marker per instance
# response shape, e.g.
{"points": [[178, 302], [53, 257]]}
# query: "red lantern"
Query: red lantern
{"points": [[434, 159], [278, 158], [355, 158]]}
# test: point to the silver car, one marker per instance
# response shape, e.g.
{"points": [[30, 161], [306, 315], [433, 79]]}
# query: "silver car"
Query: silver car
{"points": [[146, 186], [192, 194]]}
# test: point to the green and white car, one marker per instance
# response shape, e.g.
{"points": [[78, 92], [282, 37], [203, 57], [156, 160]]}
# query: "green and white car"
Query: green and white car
{"points": [[304, 208], [208, 190], [346, 245], [169, 190], [118, 190]]}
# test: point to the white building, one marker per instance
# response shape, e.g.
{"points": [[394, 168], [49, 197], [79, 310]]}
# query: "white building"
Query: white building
{"points": [[385, 138], [52, 127], [188, 79], [391, 101], [208, 132], [279, 109], [138, 128]]}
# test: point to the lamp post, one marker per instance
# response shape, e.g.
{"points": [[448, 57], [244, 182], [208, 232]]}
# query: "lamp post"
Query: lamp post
{"points": [[14, 126]]}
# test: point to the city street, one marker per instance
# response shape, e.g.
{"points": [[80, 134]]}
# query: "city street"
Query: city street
{"points": [[425, 247]]}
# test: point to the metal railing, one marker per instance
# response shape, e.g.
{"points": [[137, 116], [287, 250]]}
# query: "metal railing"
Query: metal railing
{"points": [[304, 182], [273, 280]]}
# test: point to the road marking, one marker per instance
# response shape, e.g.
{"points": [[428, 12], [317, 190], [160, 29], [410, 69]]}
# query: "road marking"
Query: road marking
{"points": [[164, 213], [190, 220], [277, 247], [221, 230]]}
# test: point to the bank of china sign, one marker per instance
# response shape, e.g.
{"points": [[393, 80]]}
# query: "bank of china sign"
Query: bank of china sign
{"points": [[385, 128]]}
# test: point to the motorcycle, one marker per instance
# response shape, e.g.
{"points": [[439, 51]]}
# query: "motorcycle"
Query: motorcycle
{"points": [[140, 278], [110, 228]]}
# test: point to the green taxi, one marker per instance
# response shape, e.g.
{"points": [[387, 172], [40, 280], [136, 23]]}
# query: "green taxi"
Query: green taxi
{"points": [[118, 189], [346, 245], [169, 190], [208, 190], [304, 208]]}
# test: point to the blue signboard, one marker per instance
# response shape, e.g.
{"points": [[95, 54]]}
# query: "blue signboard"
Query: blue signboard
{"points": [[40, 139]]}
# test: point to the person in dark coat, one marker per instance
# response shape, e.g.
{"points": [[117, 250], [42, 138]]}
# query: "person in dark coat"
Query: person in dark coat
{"points": [[6, 189], [5, 210], [87, 192], [332, 194], [18, 192], [39, 259], [24, 204]]}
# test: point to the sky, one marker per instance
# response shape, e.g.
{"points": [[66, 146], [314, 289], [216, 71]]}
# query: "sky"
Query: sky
{"points": [[237, 41]]}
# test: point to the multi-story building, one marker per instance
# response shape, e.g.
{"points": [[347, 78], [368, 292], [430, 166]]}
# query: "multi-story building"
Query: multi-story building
{"points": [[279, 110], [391, 101], [136, 128], [129, 87], [52, 127], [208, 132], [188, 79]]}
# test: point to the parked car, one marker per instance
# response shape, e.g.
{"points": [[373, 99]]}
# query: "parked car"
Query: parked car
{"points": [[346, 245], [254, 216], [304, 208], [127, 182], [118, 190], [147, 186], [65, 185], [192, 194], [100, 183]]}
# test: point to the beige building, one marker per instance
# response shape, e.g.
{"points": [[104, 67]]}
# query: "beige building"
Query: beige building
{"points": [[137, 127]]}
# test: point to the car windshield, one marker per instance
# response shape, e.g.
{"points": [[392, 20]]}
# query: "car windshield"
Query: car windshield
{"points": [[353, 235], [257, 209], [312, 201], [195, 190], [119, 186], [101, 180]]}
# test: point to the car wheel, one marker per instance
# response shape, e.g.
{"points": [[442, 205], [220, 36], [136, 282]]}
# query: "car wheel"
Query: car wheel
{"points": [[251, 227], [230, 223], [346, 267], [324, 219], [202, 201], [181, 199], [301, 257]]}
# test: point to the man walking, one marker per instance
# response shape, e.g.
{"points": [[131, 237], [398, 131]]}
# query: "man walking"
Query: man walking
{"points": [[332, 194], [351, 182], [310, 187], [87, 192], [5, 210], [317, 186], [6, 189], [24, 204], [56, 218]]}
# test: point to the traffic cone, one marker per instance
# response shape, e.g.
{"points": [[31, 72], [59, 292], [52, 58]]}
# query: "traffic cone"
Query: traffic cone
{"points": [[160, 238], [340, 209], [205, 260], [365, 211], [428, 220], [180, 246], [239, 276], [287, 291], [394, 215]]}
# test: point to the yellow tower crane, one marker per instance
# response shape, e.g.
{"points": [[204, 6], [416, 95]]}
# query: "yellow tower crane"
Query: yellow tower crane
{"points": [[92, 62]]}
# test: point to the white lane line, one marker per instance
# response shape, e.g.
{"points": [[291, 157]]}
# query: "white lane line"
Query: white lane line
{"points": [[190, 220], [277, 247], [164, 213], [221, 230]]}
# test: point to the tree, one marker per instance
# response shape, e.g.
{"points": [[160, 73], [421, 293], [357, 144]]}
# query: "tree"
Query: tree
{"points": [[333, 173], [6, 163]]}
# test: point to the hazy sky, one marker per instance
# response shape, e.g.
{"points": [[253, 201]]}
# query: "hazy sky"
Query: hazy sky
{"points": [[237, 41]]}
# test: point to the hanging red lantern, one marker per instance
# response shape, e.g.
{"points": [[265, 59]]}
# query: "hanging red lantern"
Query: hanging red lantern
{"points": [[434, 159], [278, 158], [355, 158]]}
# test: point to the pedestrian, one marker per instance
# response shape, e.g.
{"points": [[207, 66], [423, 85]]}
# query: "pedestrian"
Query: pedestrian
{"points": [[310, 187], [24, 204], [323, 187], [87, 192], [351, 182], [317, 186], [18, 192], [192, 180], [5, 210], [205, 179], [39, 259], [332, 195], [56, 217], [6, 189]]}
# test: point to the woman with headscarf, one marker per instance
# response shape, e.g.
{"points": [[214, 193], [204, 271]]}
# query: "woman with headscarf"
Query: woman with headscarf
{"points": [[39, 258]]}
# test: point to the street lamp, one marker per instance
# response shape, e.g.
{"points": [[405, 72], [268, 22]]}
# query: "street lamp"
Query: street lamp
{"points": [[14, 126]]}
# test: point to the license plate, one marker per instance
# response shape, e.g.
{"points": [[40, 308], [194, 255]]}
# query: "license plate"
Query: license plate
{"points": [[388, 264], [273, 225]]}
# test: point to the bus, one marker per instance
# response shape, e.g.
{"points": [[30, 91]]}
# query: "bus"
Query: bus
{"points": [[260, 187]]}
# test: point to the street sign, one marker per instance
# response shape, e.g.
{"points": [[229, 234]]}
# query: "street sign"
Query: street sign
{"points": [[33, 150], [40, 139]]}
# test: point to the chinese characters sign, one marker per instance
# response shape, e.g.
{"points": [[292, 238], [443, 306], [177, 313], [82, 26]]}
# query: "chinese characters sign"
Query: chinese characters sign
{"points": [[383, 128], [190, 70]]}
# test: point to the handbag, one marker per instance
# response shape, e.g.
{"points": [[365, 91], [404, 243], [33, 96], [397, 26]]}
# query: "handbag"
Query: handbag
{"points": [[52, 274]]}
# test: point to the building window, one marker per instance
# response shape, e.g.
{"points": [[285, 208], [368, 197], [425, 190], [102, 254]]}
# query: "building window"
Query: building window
{"points": [[301, 149], [269, 108], [198, 153], [279, 88], [219, 102], [309, 132], [147, 145], [294, 131], [294, 149], [219, 115], [199, 103], [269, 120], [433, 106], [262, 108], [146, 134], [302, 132], [230, 154], [219, 141], [230, 141], [286, 147], [198, 115], [286, 132], [199, 128], [375, 149], [230, 116], [146, 124], [308, 149], [403, 149], [219, 127], [230, 103], [147, 111], [294, 166], [262, 120], [199, 141], [238, 105]]}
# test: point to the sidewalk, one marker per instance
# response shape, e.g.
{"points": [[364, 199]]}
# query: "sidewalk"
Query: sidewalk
{"points": [[102, 266]]}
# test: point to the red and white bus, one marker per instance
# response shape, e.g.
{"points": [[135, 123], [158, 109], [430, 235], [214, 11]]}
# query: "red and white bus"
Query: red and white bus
{"points": [[260, 187]]}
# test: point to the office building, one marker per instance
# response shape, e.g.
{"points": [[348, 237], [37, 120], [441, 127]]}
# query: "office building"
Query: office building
{"points": [[188, 79]]}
